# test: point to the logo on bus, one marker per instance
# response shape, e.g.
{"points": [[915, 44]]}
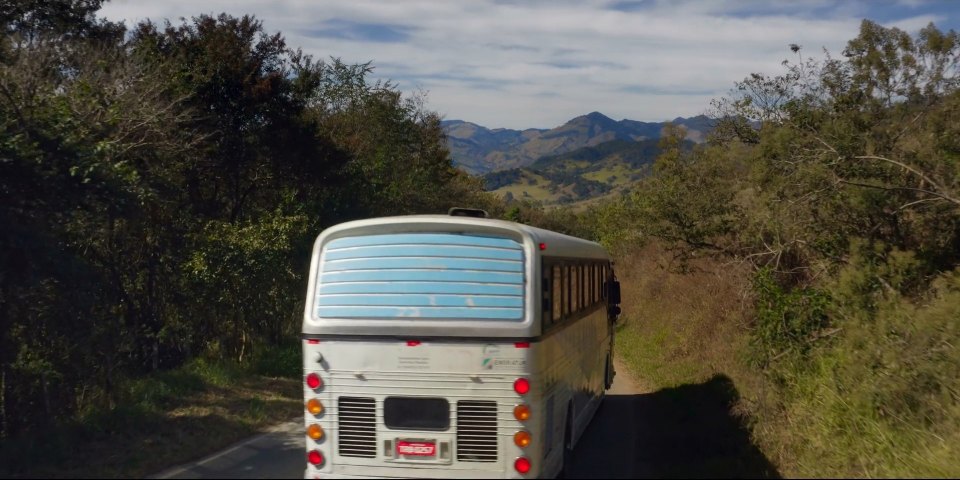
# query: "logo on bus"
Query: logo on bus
{"points": [[491, 361], [488, 352]]}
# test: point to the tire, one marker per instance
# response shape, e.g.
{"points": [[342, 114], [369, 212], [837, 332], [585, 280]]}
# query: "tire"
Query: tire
{"points": [[608, 374], [566, 470]]}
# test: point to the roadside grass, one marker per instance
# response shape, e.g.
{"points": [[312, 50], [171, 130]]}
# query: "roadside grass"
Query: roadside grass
{"points": [[680, 334], [680, 328], [163, 419], [880, 398]]}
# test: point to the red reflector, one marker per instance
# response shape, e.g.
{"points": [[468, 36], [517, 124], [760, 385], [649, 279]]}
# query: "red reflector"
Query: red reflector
{"points": [[522, 344], [522, 465], [313, 380], [521, 386], [315, 457], [413, 343], [543, 246], [313, 342]]}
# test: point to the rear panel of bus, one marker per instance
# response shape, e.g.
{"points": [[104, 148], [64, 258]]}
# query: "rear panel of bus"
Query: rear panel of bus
{"points": [[428, 407]]}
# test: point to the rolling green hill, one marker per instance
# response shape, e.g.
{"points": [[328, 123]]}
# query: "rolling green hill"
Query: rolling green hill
{"points": [[579, 175]]}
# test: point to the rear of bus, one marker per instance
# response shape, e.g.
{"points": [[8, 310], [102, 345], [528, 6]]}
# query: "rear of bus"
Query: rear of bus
{"points": [[415, 363]]}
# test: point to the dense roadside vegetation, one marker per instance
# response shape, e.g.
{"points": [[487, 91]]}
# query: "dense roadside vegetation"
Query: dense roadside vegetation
{"points": [[811, 252], [159, 191]]}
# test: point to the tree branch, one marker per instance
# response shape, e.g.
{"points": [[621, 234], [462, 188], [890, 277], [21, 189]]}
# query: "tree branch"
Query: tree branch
{"points": [[915, 172]]}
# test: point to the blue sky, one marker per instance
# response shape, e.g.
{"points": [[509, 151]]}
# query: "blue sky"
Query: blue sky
{"points": [[538, 63]]}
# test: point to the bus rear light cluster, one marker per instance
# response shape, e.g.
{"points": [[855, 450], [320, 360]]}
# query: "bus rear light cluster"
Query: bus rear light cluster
{"points": [[521, 412], [314, 406], [315, 458], [522, 465], [314, 381], [521, 386]]}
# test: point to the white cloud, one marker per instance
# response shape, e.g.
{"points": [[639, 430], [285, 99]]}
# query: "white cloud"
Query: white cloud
{"points": [[538, 64]]}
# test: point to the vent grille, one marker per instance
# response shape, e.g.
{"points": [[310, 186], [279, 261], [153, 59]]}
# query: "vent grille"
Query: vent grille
{"points": [[357, 419], [476, 431]]}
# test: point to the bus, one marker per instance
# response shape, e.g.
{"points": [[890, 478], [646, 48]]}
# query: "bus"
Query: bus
{"points": [[453, 346]]}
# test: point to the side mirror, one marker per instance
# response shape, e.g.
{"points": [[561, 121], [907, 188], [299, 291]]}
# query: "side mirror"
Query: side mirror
{"points": [[613, 293]]}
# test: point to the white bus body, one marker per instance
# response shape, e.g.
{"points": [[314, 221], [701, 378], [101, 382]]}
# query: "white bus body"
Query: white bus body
{"points": [[423, 334]]}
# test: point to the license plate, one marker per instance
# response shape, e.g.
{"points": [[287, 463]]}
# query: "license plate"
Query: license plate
{"points": [[416, 449]]}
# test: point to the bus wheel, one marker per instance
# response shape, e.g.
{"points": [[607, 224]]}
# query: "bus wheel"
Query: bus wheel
{"points": [[608, 374], [567, 469]]}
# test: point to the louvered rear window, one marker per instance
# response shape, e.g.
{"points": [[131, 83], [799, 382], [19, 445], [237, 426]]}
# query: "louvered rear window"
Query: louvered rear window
{"points": [[421, 275]]}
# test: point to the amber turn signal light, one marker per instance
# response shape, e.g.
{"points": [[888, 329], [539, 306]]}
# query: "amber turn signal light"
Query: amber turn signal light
{"points": [[315, 432], [314, 406], [521, 412], [521, 439]]}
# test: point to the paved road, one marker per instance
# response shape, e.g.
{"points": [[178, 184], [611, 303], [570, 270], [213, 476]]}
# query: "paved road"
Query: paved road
{"points": [[686, 431]]}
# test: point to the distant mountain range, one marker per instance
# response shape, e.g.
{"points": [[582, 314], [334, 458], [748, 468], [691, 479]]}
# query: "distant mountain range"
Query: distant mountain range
{"points": [[479, 150], [588, 157]]}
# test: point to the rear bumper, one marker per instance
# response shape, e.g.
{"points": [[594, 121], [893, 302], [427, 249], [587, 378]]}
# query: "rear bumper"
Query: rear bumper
{"points": [[380, 472], [414, 474]]}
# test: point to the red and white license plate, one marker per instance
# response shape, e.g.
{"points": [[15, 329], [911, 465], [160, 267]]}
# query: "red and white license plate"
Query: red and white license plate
{"points": [[416, 449]]}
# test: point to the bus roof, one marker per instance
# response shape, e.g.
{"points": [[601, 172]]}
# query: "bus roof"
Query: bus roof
{"points": [[557, 244]]}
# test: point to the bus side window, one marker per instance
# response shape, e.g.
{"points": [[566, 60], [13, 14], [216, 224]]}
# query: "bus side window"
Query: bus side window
{"points": [[603, 291], [557, 295], [595, 286], [575, 288], [566, 290], [593, 283], [585, 290], [547, 302]]}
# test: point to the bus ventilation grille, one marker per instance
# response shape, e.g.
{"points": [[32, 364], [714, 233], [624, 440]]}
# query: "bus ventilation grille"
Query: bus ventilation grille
{"points": [[357, 425], [476, 431]]}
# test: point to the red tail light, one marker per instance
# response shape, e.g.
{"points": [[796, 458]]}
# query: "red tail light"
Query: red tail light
{"points": [[522, 465], [315, 458], [522, 344], [314, 381], [521, 386], [413, 343]]}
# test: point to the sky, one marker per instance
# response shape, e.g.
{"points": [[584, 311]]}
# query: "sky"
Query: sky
{"points": [[538, 63]]}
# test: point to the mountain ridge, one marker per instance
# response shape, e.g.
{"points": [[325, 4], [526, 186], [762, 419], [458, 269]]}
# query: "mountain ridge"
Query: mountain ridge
{"points": [[480, 150]]}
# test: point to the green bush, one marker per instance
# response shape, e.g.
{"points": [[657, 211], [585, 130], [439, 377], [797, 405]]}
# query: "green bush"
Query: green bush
{"points": [[786, 321], [278, 361]]}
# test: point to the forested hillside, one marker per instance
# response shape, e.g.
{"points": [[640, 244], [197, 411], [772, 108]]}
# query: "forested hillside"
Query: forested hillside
{"points": [[838, 222], [610, 168], [160, 189]]}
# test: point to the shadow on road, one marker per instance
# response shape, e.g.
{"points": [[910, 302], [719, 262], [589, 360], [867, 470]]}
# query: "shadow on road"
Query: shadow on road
{"points": [[687, 432]]}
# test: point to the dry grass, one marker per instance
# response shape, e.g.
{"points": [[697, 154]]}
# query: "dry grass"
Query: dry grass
{"points": [[681, 335], [878, 400], [678, 327]]}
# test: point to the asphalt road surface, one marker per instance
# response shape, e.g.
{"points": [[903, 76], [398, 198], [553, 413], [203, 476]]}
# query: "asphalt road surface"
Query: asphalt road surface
{"points": [[687, 431]]}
